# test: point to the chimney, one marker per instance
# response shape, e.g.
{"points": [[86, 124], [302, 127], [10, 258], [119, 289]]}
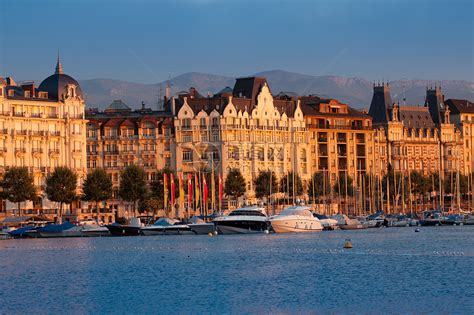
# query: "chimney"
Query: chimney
{"points": [[173, 106]]}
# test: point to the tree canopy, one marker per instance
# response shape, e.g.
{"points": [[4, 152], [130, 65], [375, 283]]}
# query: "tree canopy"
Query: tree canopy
{"points": [[97, 187], [322, 186], [234, 185], [61, 186], [133, 184], [266, 184], [286, 184], [18, 186]]}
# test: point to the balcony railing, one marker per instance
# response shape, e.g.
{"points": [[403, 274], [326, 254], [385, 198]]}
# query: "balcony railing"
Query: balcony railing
{"points": [[37, 150], [54, 151], [5, 113]]}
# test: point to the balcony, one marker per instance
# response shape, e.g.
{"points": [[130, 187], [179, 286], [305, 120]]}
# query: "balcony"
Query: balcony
{"points": [[38, 133], [53, 116], [35, 115], [19, 114], [37, 150], [111, 152], [53, 151], [55, 133], [4, 131], [20, 132], [5, 113]]}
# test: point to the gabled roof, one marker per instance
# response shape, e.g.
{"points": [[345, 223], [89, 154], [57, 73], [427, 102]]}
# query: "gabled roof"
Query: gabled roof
{"points": [[249, 88]]}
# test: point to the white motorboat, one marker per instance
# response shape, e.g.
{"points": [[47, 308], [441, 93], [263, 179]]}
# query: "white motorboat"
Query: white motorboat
{"points": [[245, 220], [95, 230], [346, 223], [165, 226], [296, 219], [199, 226]]}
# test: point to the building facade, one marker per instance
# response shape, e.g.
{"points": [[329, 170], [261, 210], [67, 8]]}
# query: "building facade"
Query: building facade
{"points": [[341, 138], [120, 136], [246, 128], [415, 138], [42, 128]]}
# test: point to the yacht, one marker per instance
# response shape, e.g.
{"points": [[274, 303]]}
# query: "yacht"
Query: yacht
{"points": [[165, 226], [199, 226], [94, 228], [296, 219], [432, 218], [242, 221]]}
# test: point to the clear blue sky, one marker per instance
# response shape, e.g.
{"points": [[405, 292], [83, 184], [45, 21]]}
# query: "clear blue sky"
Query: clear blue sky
{"points": [[145, 41]]}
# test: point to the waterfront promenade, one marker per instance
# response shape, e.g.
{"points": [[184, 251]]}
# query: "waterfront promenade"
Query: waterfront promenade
{"points": [[388, 270]]}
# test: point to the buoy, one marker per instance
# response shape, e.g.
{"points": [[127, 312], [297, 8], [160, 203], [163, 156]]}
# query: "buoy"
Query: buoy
{"points": [[417, 230], [347, 243], [266, 232], [215, 233], [210, 234]]}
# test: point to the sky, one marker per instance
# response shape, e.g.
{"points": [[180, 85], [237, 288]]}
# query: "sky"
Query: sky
{"points": [[148, 41]]}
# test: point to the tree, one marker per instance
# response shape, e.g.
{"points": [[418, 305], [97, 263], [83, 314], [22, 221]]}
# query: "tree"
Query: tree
{"points": [[133, 185], [266, 184], [286, 184], [234, 185], [18, 186], [61, 187], [156, 197], [322, 186], [97, 187], [340, 186]]}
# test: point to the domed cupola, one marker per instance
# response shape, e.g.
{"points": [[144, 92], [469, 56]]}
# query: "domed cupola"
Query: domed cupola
{"points": [[60, 86]]}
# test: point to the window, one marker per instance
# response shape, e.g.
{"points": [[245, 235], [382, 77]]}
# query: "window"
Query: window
{"points": [[186, 123], [187, 156]]}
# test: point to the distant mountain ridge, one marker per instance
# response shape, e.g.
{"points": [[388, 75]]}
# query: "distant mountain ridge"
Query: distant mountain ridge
{"points": [[357, 92]]}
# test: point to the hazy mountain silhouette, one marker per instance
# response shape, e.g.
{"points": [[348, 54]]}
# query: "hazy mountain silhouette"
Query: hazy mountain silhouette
{"points": [[357, 92]]}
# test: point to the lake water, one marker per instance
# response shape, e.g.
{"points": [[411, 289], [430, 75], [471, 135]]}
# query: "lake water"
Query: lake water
{"points": [[389, 270]]}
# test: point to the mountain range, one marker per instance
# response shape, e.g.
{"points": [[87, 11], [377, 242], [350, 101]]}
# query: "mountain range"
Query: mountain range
{"points": [[357, 92]]}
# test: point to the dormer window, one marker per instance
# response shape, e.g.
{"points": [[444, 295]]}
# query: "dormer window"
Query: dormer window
{"points": [[27, 94], [11, 93]]}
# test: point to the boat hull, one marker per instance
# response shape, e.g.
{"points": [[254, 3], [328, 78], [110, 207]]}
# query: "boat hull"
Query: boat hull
{"points": [[168, 230], [352, 227], [430, 222], [95, 232], [241, 227], [74, 232], [203, 228], [296, 226], [123, 230]]}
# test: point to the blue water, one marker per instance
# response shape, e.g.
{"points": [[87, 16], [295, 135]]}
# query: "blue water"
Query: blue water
{"points": [[390, 270]]}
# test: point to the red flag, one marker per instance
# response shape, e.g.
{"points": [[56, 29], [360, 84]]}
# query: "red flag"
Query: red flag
{"points": [[220, 191], [204, 190], [172, 190], [165, 190], [190, 190]]}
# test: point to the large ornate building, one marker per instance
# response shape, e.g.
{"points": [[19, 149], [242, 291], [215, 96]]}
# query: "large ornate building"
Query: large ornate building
{"points": [[246, 128], [415, 138], [42, 128], [120, 136]]}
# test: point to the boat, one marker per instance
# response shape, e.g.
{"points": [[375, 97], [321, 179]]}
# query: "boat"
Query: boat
{"points": [[469, 219], [375, 220], [296, 219], [245, 220], [132, 229], [432, 218], [327, 223], [199, 226], [25, 231], [346, 223], [95, 230], [453, 219], [167, 226], [66, 229]]}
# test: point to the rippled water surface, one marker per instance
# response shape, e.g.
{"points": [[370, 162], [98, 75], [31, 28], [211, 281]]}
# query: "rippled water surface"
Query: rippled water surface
{"points": [[390, 270]]}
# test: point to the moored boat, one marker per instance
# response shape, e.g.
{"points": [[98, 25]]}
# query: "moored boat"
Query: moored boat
{"points": [[346, 223], [199, 226], [296, 219], [166, 226], [66, 229], [432, 218], [327, 223], [132, 229], [245, 220]]}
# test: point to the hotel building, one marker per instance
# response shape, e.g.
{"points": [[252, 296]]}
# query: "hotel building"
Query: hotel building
{"points": [[246, 128], [42, 128], [119, 136]]}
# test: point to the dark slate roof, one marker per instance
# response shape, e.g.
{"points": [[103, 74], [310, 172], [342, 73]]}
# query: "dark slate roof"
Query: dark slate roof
{"points": [[381, 102], [310, 107], [416, 117], [460, 106], [249, 88], [55, 85]]}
